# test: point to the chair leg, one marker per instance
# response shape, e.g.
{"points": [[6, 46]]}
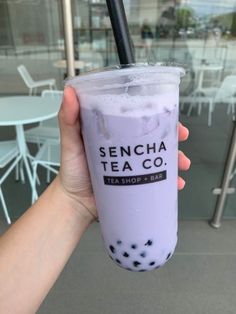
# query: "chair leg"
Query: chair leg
{"points": [[31, 159], [48, 171], [233, 108], [199, 108], [190, 110], [30, 91], [34, 190], [17, 172], [4, 207], [22, 175], [48, 176], [233, 111], [35, 91], [210, 110]]}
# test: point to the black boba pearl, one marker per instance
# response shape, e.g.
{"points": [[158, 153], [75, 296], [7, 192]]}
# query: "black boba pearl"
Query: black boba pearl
{"points": [[134, 246], [113, 250], [148, 243], [125, 254], [143, 254], [168, 256], [118, 261], [136, 263], [152, 263], [119, 242]]}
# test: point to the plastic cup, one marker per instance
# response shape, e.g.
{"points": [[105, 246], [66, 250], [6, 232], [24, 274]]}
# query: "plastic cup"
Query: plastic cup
{"points": [[129, 120]]}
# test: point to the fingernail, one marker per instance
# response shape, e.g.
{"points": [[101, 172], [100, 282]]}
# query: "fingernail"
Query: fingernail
{"points": [[187, 130], [189, 162], [181, 183]]}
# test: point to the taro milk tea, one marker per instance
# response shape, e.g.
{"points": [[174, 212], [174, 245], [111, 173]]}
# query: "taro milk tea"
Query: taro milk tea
{"points": [[129, 123]]}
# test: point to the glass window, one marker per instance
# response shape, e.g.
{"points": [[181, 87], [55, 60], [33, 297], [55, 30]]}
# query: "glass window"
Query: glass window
{"points": [[201, 35], [31, 34]]}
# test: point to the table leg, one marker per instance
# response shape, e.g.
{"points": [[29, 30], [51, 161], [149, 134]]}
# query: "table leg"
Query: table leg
{"points": [[23, 151]]}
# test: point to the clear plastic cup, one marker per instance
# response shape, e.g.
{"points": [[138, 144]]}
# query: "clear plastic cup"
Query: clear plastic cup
{"points": [[129, 118]]}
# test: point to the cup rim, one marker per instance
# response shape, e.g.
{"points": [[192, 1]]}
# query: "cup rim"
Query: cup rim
{"points": [[126, 68]]}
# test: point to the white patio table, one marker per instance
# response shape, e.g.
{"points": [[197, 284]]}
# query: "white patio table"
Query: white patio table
{"points": [[21, 110]]}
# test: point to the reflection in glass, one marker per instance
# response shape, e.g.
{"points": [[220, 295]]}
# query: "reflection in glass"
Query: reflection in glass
{"points": [[199, 34]]}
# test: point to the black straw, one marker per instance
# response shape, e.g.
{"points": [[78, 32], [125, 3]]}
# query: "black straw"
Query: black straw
{"points": [[121, 31]]}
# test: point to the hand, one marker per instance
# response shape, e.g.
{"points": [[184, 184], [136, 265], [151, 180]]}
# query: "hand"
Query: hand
{"points": [[74, 175]]}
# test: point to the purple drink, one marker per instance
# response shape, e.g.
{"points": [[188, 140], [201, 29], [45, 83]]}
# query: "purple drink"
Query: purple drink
{"points": [[129, 125]]}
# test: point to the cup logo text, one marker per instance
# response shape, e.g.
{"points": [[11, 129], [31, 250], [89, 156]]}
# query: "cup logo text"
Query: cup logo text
{"points": [[126, 159]]}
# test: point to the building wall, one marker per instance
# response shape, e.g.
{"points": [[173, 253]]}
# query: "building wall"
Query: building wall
{"points": [[39, 23], [149, 9]]}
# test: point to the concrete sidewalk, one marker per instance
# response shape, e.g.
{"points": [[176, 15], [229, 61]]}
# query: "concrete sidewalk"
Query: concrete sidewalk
{"points": [[199, 278]]}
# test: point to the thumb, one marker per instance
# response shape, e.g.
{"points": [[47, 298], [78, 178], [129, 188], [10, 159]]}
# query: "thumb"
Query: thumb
{"points": [[69, 123]]}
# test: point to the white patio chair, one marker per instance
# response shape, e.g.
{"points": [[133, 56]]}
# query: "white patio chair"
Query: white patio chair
{"points": [[226, 94], [48, 157], [199, 101], [33, 85], [47, 129], [9, 153], [203, 94]]}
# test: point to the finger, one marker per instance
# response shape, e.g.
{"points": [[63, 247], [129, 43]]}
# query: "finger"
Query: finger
{"points": [[70, 107], [183, 161], [181, 183], [69, 123], [183, 132]]}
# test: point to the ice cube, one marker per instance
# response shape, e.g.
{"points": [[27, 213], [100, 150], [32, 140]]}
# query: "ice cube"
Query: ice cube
{"points": [[150, 124], [101, 124]]}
